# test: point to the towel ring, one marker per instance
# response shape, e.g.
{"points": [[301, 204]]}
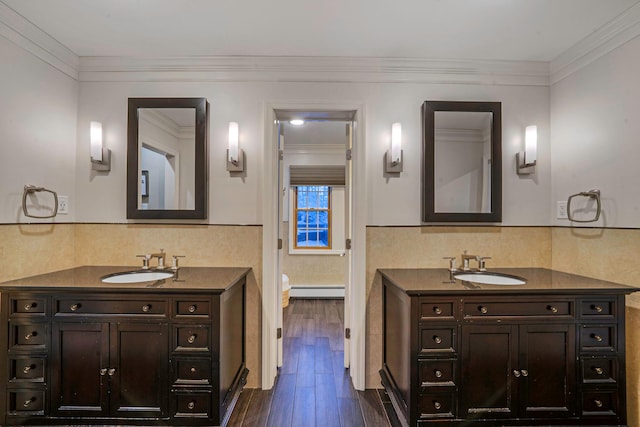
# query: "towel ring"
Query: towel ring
{"points": [[592, 194], [28, 189]]}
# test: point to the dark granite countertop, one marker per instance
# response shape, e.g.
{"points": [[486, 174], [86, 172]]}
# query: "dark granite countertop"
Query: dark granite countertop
{"points": [[430, 281], [209, 279]]}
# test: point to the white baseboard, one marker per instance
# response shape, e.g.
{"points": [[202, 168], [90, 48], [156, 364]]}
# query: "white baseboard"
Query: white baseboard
{"points": [[317, 291]]}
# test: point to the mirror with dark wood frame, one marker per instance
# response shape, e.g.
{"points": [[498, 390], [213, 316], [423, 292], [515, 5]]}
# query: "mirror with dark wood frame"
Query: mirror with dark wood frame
{"points": [[167, 158], [462, 161]]}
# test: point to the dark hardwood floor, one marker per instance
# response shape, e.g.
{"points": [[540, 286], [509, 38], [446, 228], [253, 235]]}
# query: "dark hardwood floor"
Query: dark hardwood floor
{"points": [[313, 388]]}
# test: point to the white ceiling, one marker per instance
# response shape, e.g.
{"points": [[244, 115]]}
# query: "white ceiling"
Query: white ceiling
{"points": [[519, 30]]}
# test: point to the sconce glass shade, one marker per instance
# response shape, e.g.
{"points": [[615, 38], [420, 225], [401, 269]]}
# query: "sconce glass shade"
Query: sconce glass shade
{"points": [[396, 142], [531, 145], [233, 142], [96, 141]]}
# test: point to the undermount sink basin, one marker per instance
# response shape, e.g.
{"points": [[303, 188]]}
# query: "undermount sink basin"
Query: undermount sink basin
{"points": [[490, 278], [136, 276]]}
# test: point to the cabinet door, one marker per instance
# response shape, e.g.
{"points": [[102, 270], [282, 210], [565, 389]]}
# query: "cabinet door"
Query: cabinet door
{"points": [[547, 364], [489, 360], [139, 357], [80, 357]]}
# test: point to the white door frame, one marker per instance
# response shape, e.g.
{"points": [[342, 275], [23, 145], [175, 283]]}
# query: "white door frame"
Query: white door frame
{"points": [[271, 294]]}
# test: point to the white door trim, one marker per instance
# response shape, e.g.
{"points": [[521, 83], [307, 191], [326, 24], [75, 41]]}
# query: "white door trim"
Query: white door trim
{"points": [[271, 294]]}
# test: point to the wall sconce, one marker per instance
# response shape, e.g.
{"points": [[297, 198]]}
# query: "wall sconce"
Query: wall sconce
{"points": [[235, 156], [100, 155], [526, 160], [393, 156]]}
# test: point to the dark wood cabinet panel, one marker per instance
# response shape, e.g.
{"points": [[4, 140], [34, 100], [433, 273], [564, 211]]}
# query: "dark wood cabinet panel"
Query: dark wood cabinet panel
{"points": [[526, 358], [152, 357]]}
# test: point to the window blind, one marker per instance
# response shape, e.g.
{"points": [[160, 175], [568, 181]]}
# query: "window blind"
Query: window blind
{"points": [[316, 175]]}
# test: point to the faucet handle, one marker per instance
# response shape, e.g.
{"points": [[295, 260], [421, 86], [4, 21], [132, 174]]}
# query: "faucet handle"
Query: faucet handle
{"points": [[481, 262], [174, 262], [452, 263], [145, 260]]}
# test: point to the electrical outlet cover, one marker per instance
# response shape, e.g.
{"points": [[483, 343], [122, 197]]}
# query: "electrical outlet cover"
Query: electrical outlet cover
{"points": [[63, 205], [561, 210]]}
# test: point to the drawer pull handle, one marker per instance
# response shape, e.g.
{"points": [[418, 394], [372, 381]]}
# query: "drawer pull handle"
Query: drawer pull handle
{"points": [[596, 337], [28, 402], [438, 373], [146, 307], [524, 372], [192, 339], [31, 335], [483, 309], [516, 373], [598, 403], [74, 307], [437, 405], [103, 372], [191, 405], [553, 309], [111, 372], [437, 310], [193, 369], [437, 339], [193, 308], [596, 308], [29, 306], [28, 368], [598, 370]]}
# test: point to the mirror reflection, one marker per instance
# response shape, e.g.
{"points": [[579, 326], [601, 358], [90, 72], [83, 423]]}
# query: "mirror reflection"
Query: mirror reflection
{"points": [[462, 161], [166, 140], [462, 179], [167, 158]]}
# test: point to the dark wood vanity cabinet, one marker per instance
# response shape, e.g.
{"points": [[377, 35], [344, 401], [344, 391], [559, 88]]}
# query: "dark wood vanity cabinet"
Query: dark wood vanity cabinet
{"points": [[530, 357], [99, 357]]}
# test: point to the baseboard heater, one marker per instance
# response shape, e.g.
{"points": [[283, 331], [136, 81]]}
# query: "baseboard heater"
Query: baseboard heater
{"points": [[317, 291]]}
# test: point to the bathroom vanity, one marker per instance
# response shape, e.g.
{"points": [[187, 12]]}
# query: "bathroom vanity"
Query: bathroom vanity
{"points": [[549, 352], [75, 350]]}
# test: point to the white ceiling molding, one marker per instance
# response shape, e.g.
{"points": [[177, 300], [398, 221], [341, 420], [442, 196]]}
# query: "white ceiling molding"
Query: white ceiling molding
{"points": [[18, 30], [615, 33], [314, 69]]}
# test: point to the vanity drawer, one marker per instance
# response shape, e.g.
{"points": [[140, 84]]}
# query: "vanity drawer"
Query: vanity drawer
{"points": [[438, 340], [488, 308], [599, 370], [437, 373], [598, 338], [601, 402], [27, 369], [432, 310], [597, 308], [28, 306], [24, 402], [29, 336], [192, 405], [80, 306], [192, 338], [436, 405], [189, 371], [192, 308]]}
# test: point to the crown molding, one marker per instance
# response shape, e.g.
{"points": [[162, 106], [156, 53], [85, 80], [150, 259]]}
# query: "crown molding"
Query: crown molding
{"points": [[15, 28], [615, 33], [314, 69]]}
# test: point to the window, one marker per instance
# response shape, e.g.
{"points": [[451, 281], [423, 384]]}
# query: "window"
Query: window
{"points": [[312, 213]]}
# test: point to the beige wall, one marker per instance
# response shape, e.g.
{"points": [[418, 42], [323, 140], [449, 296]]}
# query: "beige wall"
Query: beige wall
{"points": [[608, 254], [312, 269], [406, 247], [27, 250]]}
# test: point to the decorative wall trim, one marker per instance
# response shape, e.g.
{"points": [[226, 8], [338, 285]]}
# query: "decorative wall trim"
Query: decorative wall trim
{"points": [[317, 291], [314, 148], [614, 34], [314, 69], [15, 28]]}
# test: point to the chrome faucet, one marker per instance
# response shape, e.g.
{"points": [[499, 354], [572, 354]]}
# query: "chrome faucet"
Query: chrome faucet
{"points": [[481, 262], [162, 256], [465, 260]]}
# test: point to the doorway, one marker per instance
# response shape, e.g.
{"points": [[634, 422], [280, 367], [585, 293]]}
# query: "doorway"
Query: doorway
{"points": [[351, 249]]}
